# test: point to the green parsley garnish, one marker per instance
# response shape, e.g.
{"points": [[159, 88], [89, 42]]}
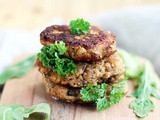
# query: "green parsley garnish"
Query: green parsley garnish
{"points": [[79, 26], [50, 56], [99, 94]]}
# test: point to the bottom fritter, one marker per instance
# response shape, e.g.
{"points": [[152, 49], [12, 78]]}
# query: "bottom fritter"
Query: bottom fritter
{"points": [[60, 92], [66, 93]]}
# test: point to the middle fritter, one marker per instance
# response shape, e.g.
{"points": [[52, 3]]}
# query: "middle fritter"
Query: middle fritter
{"points": [[107, 70], [93, 46]]}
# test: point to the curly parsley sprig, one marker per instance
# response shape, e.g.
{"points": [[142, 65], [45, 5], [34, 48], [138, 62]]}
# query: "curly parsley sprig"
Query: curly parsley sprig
{"points": [[79, 26], [50, 56], [98, 94]]}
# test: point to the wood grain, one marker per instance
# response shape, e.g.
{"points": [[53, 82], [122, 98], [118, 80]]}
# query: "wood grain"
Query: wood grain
{"points": [[30, 90]]}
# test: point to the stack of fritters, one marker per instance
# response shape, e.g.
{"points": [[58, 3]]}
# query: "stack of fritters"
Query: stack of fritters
{"points": [[93, 53]]}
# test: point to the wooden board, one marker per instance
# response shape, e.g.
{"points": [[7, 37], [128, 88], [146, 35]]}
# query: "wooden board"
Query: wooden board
{"points": [[29, 90]]}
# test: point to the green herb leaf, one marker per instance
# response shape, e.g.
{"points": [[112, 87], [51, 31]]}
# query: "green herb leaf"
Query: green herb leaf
{"points": [[18, 70], [17, 112], [40, 108], [99, 94], [64, 66], [13, 112], [132, 64], [50, 56], [102, 104], [79, 26], [142, 107], [148, 84], [89, 93]]}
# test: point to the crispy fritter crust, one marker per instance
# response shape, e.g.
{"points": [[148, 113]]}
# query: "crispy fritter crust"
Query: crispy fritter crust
{"points": [[60, 92], [93, 46], [108, 70], [67, 94]]}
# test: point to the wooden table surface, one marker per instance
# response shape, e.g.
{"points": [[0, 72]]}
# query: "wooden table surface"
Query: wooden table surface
{"points": [[30, 14], [29, 90]]}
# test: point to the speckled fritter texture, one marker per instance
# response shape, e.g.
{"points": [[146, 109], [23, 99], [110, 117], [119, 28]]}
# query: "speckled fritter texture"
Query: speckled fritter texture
{"points": [[107, 70], [60, 92], [68, 94], [95, 45]]}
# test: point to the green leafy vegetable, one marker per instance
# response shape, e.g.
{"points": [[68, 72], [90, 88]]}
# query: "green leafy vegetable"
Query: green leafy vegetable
{"points": [[17, 112], [18, 70], [132, 64], [79, 26], [13, 112], [101, 96], [50, 56], [40, 108], [148, 84], [142, 107]]}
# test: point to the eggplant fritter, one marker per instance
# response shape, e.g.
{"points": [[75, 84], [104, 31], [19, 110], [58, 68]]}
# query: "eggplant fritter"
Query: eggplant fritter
{"points": [[67, 94], [107, 70], [93, 46]]}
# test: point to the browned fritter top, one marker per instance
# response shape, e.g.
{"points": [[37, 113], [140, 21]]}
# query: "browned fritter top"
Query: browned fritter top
{"points": [[87, 41]]}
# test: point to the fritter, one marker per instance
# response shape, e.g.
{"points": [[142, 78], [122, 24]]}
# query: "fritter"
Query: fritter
{"points": [[93, 46], [67, 94], [107, 70]]}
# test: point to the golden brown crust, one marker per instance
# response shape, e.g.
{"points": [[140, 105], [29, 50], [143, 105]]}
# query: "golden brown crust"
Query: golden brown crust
{"points": [[67, 94], [108, 70], [95, 45], [62, 93]]}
